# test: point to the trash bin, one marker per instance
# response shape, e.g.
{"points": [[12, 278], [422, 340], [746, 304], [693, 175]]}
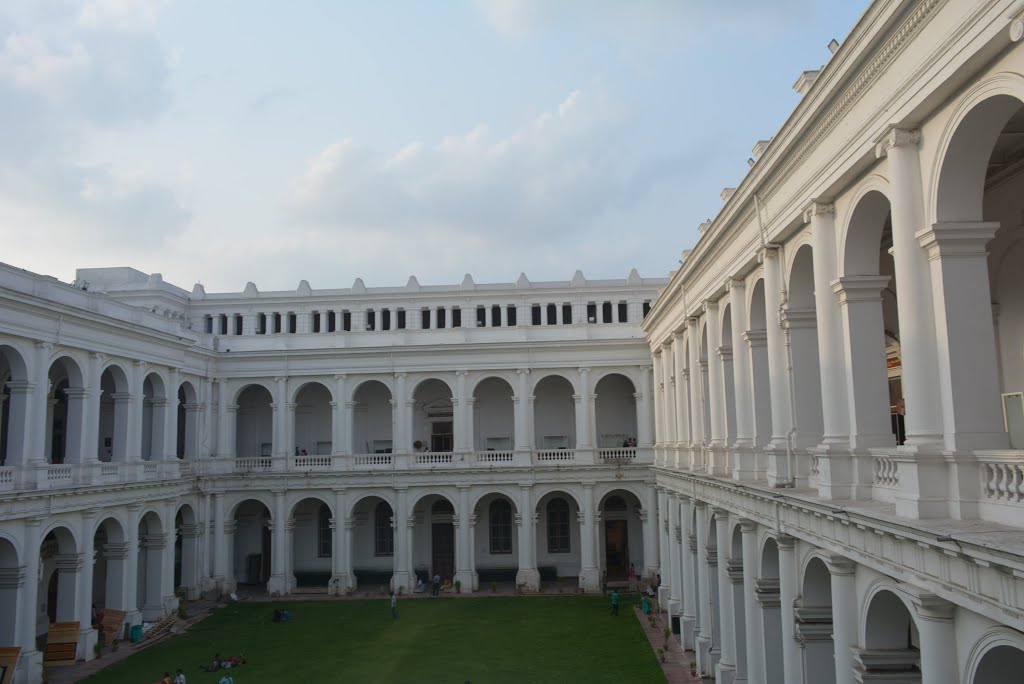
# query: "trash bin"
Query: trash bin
{"points": [[136, 634]]}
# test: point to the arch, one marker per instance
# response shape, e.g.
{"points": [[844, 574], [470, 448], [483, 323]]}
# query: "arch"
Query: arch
{"points": [[10, 566], [386, 381], [434, 419], [372, 418], [186, 553], [13, 360], [966, 145], [494, 491], [475, 379], [254, 422], [433, 494], [384, 495], [186, 442], [889, 622], [231, 510], [313, 427], [493, 415], [306, 383], [58, 579], [756, 306], [801, 276], [997, 657], [154, 407], [252, 557], [117, 375], [430, 379], [300, 497], [71, 368], [615, 411], [543, 491], [771, 611], [115, 397], [187, 392], [249, 385], [554, 415], [65, 416], [862, 233], [311, 542]]}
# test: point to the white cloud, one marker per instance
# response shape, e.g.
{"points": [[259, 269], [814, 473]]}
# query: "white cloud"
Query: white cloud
{"points": [[121, 15]]}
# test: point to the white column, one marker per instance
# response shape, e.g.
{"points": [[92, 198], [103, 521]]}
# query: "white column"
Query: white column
{"points": [[280, 409], [659, 396], [584, 408], [225, 424], [133, 430], [726, 670], [664, 548], [464, 542], [821, 217], [742, 378], [844, 615], [401, 418], [675, 574], [918, 352], [696, 392], [968, 366], [170, 447], [681, 415], [937, 628], [131, 566], [668, 376], [687, 552], [39, 406], [590, 579], [644, 409], [83, 613], [463, 436], [716, 391], [28, 598], [753, 617], [340, 560], [649, 520], [349, 428], [340, 428], [527, 576], [279, 544], [782, 419], [792, 663], [522, 414], [867, 393], [403, 531], [220, 549], [705, 638], [19, 436]]}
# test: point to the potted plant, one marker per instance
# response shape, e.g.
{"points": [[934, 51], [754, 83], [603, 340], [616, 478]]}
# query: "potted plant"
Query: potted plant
{"points": [[458, 586], [667, 632], [693, 668], [661, 654], [494, 587]]}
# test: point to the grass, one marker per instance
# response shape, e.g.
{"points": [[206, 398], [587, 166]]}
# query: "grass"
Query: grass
{"points": [[482, 640]]}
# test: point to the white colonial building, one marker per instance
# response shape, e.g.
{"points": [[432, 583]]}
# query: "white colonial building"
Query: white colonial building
{"points": [[157, 443], [839, 364], [824, 460]]}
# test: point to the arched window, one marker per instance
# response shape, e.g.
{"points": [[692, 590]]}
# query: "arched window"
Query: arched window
{"points": [[615, 503], [501, 526], [383, 534], [558, 526], [323, 528]]}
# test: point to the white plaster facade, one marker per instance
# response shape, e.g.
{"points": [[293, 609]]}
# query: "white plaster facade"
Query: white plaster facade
{"points": [[868, 264], [305, 441]]}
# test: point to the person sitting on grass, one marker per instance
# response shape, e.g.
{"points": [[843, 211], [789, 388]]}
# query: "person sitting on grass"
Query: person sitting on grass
{"points": [[214, 666], [277, 615], [227, 679]]}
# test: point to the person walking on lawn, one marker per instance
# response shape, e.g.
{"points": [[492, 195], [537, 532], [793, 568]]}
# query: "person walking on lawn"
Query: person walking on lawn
{"points": [[615, 602], [394, 606]]}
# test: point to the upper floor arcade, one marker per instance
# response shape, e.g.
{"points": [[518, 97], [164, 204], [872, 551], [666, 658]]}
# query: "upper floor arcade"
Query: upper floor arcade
{"points": [[851, 324]]}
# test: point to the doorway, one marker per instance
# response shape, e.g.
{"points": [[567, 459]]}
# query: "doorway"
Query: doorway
{"points": [[443, 549], [616, 549], [442, 436]]}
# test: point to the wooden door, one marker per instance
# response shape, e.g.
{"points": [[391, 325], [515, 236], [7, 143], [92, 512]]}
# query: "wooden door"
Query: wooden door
{"points": [[443, 550], [616, 549]]}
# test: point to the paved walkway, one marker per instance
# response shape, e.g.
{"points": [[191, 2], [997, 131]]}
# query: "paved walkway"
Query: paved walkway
{"points": [[677, 661]]}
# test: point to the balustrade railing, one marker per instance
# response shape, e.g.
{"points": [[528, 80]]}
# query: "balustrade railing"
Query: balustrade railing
{"points": [[370, 460], [494, 456], [1003, 479], [6, 478], [311, 462], [886, 472], [617, 455], [433, 458], [253, 464], [59, 473], [555, 455]]}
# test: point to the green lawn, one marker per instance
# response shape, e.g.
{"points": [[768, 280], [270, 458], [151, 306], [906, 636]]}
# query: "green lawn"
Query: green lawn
{"points": [[448, 640]]}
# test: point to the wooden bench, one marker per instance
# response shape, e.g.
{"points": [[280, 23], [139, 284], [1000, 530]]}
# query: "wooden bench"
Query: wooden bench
{"points": [[61, 644], [111, 623], [8, 663]]}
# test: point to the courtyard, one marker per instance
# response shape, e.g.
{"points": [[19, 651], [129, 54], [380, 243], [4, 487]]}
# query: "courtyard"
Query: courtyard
{"points": [[499, 639]]}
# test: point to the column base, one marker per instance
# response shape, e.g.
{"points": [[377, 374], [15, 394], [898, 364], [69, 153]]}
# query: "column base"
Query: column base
{"points": [[725, 674], [688, 631], [400, 582], [87, 643], [528, 580], [663, 594], [702, 649], [922, 489], [590, 579], [718, 460], [745, 465], [465, 578], [152, 613], [277, 585], [338, 585], [171, 604], [835, 472], [30, 668], [132, 617], [777, 473]]}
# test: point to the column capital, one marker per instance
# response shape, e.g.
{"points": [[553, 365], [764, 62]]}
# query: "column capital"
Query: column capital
{"points": [[718, 511], [839, 565], [583, 370], [818, 208], [522, 371], [461, 373], [799, 318], [860, 288], [930, 607], [896, 137], [785, 542], [748, 526], [734, 283], [724, 353], [957, 239], [709, 305], [340, 376], [756, 338]]}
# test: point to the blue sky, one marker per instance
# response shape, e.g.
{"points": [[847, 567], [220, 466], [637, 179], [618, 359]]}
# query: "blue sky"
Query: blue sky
{"points": [[223, 142]]}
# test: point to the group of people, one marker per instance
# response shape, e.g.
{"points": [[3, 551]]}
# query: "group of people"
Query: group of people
{"points": [[217, 665], [281, 615], [178, 678]]}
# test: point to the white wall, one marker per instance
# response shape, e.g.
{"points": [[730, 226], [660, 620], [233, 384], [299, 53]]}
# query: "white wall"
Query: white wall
{"points": [[494, 413]]}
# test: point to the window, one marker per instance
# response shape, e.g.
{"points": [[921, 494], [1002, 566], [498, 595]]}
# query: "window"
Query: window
{"points": [[623, 312], [238, 324], [647, 308], [371, 319], [261, 324], [456, 317], [535, 314], [606, 312], [383, 534], [323, 528], [332, 321], [510, 314], [496, 316], [277, 322], [501, 526], [316, 321], [223, 324], [481, 316], [591, 313], [208, 322], [566, 314], [346, 320], [441, 322], [385, 319], [552, 312], [292, 323], [558, 526], [400, 322]]}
